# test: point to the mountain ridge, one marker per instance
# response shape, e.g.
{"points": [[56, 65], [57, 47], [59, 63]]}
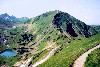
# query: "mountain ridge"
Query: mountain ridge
{"points": [[62, 20]]}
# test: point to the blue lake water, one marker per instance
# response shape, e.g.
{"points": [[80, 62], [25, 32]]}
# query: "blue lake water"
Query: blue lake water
{"points": [[8, 53]]}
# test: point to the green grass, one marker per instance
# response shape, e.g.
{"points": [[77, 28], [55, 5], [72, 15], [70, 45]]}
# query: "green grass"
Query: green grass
{"points": [[9, 60], [62, 40], [38, 56], [67, 56], [41, 24], [93, 60], [42, 45]]}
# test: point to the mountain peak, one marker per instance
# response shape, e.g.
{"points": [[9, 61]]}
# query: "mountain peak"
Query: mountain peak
{"points": [[65, 22]]}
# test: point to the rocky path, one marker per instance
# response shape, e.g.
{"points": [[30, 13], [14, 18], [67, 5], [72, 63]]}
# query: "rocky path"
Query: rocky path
{"points": [[25, 63], [81, 60], [45, 58]]}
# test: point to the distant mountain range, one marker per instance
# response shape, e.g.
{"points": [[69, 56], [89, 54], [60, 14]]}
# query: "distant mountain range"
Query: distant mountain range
{"points": [[13, 18], [8, 21]]}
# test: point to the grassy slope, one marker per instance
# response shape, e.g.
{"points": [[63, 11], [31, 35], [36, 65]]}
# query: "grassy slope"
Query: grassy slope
{"points": [[11, 39], [69, 53], [39, 26], [93, 60], [9, 61], [42, 45], [38, 56], [44, 28]]}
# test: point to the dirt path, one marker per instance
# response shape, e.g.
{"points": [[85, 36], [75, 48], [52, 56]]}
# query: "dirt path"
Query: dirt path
{"points": [[81, 60], [25, 63], [45, 58]]}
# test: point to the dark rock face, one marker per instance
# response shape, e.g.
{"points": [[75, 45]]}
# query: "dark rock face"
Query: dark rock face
{"points": [[65, 22], [59, 18], [22, 50], [70, 30], [27, 37]]}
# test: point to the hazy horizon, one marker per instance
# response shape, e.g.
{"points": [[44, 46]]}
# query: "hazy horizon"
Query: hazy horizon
{"points": [[86, 11]]}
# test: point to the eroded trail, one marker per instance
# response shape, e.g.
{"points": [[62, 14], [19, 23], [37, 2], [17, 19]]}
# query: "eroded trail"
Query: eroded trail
{"points": [[45, 58], [25, 63], [81, 60]]}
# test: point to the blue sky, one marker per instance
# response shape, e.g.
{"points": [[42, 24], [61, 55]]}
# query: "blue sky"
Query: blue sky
{"points": [[87, 11]]}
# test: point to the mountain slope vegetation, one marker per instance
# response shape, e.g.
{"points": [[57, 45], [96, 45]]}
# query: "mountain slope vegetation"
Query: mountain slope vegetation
{"points": [[47, 31], [66, 56], [93, 60]]}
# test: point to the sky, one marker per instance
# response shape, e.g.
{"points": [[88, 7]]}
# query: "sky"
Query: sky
{"points": [[87, 11]]}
